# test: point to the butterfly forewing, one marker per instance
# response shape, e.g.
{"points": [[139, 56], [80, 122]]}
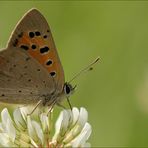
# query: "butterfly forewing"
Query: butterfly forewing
{"points": [[33, 36]]}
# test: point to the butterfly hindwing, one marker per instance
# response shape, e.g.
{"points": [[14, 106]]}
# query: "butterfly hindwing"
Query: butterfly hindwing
{"points": [[22, 79]]}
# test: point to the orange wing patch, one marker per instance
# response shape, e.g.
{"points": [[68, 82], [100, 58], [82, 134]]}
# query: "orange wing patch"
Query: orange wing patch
{"points": [[40, 48]]}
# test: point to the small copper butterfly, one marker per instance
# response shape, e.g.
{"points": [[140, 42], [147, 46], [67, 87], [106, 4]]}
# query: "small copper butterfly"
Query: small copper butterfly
{"points": [[30, 68]]}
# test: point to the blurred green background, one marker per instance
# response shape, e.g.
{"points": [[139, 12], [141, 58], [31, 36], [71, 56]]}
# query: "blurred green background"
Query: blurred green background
{"points": [[115, 93]]}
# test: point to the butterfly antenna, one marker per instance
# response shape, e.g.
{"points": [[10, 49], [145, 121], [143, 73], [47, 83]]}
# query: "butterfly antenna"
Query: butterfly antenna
{"points": [[87, 68]]}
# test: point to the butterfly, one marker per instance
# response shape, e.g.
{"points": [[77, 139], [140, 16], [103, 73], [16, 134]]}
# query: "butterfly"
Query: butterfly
{"points": [[30, 68]]}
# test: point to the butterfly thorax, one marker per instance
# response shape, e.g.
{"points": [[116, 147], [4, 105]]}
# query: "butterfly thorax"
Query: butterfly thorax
{"points": [[58, 97]]}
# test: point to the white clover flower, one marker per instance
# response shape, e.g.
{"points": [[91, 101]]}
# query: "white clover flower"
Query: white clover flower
{"points": [[71, 129]]}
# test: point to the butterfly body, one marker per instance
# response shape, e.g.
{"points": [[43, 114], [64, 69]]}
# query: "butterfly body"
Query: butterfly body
{"points": [[30, 68]]}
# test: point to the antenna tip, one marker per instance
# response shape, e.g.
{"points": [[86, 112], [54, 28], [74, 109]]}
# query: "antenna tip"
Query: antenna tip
{"points": [[97, 59]]}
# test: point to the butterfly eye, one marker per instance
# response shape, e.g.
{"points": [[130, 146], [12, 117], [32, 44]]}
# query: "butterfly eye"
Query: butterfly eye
{"points": [[67, 88]]}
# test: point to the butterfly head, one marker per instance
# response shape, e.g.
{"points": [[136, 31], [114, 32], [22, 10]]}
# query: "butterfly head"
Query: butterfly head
{"points": [[68, 89]]}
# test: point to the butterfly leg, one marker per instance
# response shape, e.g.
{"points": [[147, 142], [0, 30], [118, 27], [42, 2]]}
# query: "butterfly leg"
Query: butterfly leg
{"points": [[69, 103], [51, 108], [60, 105], [39, 102]]}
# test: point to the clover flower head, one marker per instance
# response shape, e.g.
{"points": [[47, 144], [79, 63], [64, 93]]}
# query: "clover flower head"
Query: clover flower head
{"points": [[71, 129]]}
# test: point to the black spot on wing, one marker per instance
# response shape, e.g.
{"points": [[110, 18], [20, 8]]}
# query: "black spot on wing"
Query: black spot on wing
{"points": [[37, 33], [44, 49], [15, 42], [28, 58], [33, 46], [31, 34], [20, 35], [14, 65], [52, 73], [49, 62], [29, 80], [45, 36], [24, 47], [25, 66]]}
